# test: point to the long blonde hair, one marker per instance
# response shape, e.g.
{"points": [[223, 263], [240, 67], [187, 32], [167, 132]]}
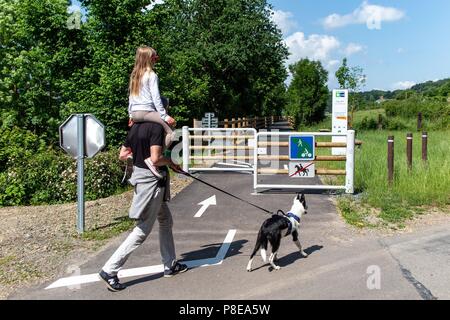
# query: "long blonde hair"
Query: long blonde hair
{"points": [[145, 61]]}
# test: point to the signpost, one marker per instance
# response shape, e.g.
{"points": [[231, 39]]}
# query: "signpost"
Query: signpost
{"points": [[301, 147], [81, 136], [340, 119], [209, 121], [302, 169]]}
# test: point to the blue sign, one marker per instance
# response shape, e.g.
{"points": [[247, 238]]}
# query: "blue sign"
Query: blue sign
{"points": [[301, 147]]}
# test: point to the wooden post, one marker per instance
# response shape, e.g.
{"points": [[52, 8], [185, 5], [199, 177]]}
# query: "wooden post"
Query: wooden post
{"points": [[419, 121], [239, 125], [409, 140], [390, 159], [380, 122], [244, 119], [424, 146], [233, 124], [225, 124]]}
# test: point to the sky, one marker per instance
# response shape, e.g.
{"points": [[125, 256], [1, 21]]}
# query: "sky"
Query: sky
{"points": [[397, 43]]}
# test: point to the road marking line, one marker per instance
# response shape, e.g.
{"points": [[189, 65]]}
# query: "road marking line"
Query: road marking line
{"points": [[90, 278], [205, 204]]}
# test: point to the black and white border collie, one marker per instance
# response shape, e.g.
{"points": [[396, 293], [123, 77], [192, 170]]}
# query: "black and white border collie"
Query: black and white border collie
{"points": [[277, 227]]}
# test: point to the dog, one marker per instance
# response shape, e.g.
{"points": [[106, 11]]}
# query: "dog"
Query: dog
{"points": [[277, 227]]}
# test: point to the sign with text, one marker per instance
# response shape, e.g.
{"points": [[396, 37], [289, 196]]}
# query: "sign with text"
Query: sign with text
{"points": [[339, 118]]}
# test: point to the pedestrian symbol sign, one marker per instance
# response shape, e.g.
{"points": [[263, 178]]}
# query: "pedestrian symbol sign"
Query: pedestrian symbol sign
{"points": [[301, 147]]}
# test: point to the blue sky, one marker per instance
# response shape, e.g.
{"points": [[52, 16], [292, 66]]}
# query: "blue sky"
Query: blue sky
{"points": [[397, 43]]}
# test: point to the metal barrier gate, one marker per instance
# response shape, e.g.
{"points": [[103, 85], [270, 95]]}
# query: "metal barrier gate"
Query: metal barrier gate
{"points": [[261, 154], [226, 149], [245, 149]]}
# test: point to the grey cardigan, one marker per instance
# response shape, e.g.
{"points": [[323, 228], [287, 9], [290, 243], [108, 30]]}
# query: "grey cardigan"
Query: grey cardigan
{"points": [[146, 187]]}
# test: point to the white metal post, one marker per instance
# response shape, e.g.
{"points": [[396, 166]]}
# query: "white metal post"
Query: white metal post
{"points": [[186, 151], [255, 163], [350, 162]]}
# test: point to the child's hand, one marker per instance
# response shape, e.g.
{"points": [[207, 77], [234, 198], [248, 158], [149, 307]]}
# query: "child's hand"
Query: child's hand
{"points": [[171, 121], [130, 122]]}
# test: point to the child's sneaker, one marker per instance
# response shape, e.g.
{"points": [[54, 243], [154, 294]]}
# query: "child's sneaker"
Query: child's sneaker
{"points": [[153, 168]]}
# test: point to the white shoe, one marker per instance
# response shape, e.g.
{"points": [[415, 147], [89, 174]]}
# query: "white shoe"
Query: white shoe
{"points": [[153, 168]]}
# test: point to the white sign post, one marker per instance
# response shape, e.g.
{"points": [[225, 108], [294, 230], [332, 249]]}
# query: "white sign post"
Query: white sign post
{"points": [[81, 136], [340, 118]]}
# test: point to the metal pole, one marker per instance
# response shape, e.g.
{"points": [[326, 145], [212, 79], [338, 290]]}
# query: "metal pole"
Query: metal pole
{"points": [[186, 152], [390, 159], [424, 146], [409, 141], [80, 173], [350, 163]]}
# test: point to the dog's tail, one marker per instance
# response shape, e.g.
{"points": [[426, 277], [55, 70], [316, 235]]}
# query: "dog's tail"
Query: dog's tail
{"points": [[261, 242]]}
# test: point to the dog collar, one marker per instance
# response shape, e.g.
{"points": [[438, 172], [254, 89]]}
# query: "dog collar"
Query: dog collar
{"points": [[293, 216]]}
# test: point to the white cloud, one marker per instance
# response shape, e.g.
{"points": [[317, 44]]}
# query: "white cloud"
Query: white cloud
{"points": [[400, 50], [152, 5], [369, 14], [332, 63], [73, 8], [315, 47], [284, 20], [352, 48], [402, 85]]}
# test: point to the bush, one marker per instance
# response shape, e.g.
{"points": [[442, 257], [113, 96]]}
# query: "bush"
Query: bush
{"points": [[431, 109], [17, 143], [51, 177], [367, 124]]}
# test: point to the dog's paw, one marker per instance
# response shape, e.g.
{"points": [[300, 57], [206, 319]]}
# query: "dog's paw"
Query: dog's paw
{"points": [[277, 268], [304, 254], [249, 269]]}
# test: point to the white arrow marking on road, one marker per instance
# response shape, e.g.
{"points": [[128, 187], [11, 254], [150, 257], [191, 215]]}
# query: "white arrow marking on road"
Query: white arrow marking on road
{"points": [[205, 204], [135, 272]]}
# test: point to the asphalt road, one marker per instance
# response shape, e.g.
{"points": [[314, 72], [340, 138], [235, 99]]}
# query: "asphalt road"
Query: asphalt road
{"points": [[342, 264]]}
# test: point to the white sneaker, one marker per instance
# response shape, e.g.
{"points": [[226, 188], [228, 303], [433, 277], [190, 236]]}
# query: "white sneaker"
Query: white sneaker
{"points": [[153, 168]]}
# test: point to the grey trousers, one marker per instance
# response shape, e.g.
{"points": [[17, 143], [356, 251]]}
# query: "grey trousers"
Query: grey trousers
{"points": [[157, 210]]}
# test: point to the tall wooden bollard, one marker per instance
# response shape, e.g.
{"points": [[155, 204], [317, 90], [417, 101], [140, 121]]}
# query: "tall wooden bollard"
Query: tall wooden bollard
{"points": [[424, 146], [390, 159], [419, 121], [409, 140], [225, 124]]}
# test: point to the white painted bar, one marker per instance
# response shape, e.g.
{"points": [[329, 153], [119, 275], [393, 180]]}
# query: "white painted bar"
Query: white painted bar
{"points": [[350, 162], [186, 151]]}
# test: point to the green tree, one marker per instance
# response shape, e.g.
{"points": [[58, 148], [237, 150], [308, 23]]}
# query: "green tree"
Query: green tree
{"points": [[307, 93], [353, 79], [32, 34]]}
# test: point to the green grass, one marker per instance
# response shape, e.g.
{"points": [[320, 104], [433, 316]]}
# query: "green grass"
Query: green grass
{"points": [[122, 224], [427, 184]]}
